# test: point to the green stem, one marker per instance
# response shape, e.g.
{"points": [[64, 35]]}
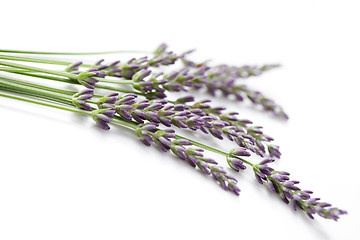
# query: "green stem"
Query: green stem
{"points": [[212, 149], [125, 123], [59, 79], [35, 60], [45, 103], [36, 69], [118, 89], [73, 53], [37, 75], [29, 84], [34, 92], [116, 81], [56, 62], [27, 73]]}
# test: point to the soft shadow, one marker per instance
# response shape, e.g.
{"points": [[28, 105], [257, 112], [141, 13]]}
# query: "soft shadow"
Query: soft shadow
{"points": [[37, 114]]}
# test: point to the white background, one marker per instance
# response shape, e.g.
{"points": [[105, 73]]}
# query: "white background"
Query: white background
{"points": [[62, 178]]}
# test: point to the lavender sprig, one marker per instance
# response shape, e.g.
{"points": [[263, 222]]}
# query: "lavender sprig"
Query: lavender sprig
{"points": [[280, 183], [222, 78], [238, 130], [199, 116], [165, 141]]}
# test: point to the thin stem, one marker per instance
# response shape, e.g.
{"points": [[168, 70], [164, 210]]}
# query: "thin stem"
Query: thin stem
{"points": [[212, 149], [26, 72], [59, 79], [118, 89], [29, 84], [36, 69], [35, 60], [116, 81], [73, 53], [123, 122], [37, 75], [39, 60], [34, 92], [45, 103]]}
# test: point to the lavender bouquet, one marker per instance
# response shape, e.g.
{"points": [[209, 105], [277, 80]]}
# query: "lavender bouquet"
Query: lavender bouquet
{"points": [[133, 94]]}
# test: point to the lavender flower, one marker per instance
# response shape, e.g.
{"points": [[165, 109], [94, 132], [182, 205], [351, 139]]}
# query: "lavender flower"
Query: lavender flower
{"points": [[238, 130], [199, 116], [87, 78], [234, 160], [164, 57], [280, 183], [108, 100], [102, 117], [165, 141], [74, 67], [222, 78], [79, 99], [153, 88]]}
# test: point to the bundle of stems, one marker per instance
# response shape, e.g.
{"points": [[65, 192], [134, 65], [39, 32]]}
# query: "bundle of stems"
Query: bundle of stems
{"points": [[133, 94]]}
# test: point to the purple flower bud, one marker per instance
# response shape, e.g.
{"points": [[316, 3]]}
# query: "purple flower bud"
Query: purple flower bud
{"points": [[280, 178], [163, 144], [173, 87], [113, 64], [181, 142], [265, 169], [274, 151], [258, 178], [152, 117], [103, 118], [266, 161], [184, 100], [103, 125], [240, 152], [191, 160], [272, 187], [123, 111], [85, 96], [140, 75], [233, 187], [73, 67], [178, 121], [217, 169], [216, 133], [204, 167], [236, 164], [218, 124], [179, 151], [290, 185], [165, 121], [85, 92], [149, 127], [209, 160]]}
